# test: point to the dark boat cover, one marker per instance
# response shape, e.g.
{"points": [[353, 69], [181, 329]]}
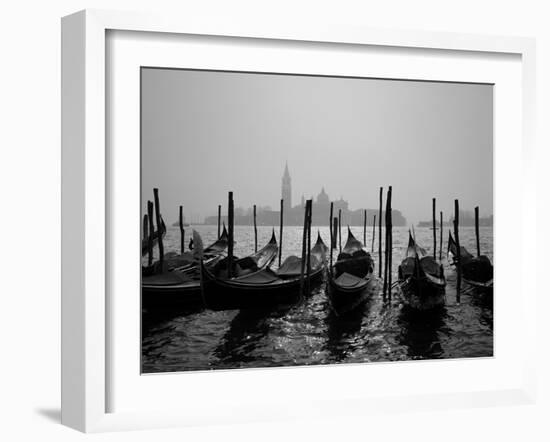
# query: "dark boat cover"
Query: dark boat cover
{"points": [[264, 276], [168, 279], [249, 264], [292, 266], [417, 256], [474, 268], [353, 259], [347, 280]]}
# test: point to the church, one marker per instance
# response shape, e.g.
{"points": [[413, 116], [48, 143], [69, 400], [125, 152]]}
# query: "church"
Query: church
{"points": [[294, 215]]}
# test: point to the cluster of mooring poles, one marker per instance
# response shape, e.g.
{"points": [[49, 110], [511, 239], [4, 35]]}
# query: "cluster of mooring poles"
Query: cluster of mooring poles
{"points": [[150, 235]]}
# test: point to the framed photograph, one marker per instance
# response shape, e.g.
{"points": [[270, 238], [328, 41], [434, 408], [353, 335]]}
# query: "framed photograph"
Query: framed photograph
{"points": [[266, 222]]}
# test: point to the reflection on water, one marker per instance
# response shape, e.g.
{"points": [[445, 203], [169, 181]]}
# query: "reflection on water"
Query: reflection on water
{"points": [[309, 332], [421, 332], [242, 338], [344, 332]]}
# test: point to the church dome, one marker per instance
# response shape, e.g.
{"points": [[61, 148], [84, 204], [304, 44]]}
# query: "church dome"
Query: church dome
{"points": [[323, 198]]}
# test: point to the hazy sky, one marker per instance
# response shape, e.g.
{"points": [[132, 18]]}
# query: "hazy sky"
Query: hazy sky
{"points": [[205, 133]]}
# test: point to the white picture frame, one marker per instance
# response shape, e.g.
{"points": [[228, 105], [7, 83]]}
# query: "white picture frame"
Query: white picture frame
{"points": [[87, 319]]}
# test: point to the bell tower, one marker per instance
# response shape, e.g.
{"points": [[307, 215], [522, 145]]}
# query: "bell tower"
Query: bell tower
{"points": [[286, 189]]}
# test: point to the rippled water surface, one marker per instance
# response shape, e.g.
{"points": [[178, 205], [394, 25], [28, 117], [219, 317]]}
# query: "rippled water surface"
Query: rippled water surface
{"points": [[309, 333]]}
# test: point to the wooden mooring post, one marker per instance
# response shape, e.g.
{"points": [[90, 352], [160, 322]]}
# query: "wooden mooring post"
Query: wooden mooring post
{"points": [[477, 231], [390, 242], [335, 232], [308, 265], [340, 230], [281, 232], [380, 236], [151, 235], [440, 235], [145, 227], [219, 219], [230, 213], [458, 257], [330, 226], [373, 233], [386, 294], [365, 228], [434, 228], [255, 231], [159, 228], [182, 232], [304, 253]]}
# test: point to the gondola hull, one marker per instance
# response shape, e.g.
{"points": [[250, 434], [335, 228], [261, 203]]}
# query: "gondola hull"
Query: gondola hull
{"points": [[233, 294], [182, 288], [175, 289], [422, 294], [421, 279], [479, 289], [173, 297], [477, 271], [488, 285], [266, 289], [344, 299], [350, 279]]}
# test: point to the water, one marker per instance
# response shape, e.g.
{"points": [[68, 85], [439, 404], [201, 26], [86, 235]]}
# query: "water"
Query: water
{"points": [[309, 333]]}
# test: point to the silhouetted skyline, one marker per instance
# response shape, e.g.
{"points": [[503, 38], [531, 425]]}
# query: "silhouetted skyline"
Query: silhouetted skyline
{"points": [[205, 133]]}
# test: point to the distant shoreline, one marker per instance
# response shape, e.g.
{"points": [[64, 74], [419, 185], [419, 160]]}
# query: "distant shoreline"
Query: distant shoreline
{"points": [[369, 226]]}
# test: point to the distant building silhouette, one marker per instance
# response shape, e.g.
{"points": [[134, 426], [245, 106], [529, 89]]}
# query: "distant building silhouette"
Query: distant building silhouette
{"points": [[294, 216], [286, 189], [323, 198], [465, 219]]}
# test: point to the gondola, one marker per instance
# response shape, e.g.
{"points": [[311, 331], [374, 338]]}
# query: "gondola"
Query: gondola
{"points": [[187, 260], [145, 241], [182, 287], [421, 279], [267, 288], [477, 271], [351, 277]]}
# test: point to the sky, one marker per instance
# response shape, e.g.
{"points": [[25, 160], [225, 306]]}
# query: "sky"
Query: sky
{"points": [[206, 133]]}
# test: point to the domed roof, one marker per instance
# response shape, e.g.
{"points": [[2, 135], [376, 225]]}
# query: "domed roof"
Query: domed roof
{"points": [[323, 197]]}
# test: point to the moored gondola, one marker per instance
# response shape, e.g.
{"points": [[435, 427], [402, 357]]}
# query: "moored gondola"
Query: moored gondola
{"points": [[351, 277], [477, 271], [188, 260], [263, 289], [182, 286], [421, 279]]}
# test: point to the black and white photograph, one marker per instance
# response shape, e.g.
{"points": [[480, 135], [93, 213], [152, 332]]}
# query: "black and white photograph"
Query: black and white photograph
{"points": [[277, 220], [297, 220]]}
